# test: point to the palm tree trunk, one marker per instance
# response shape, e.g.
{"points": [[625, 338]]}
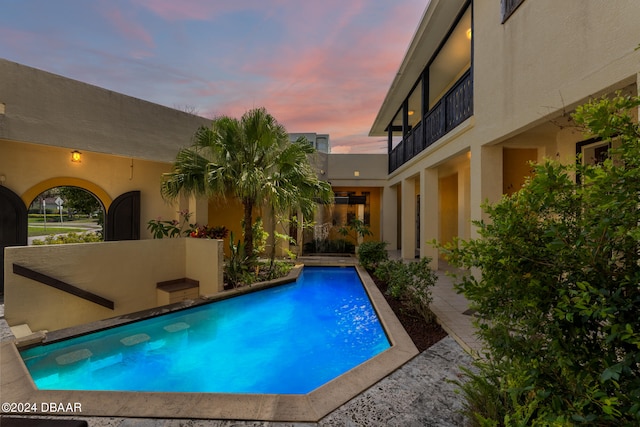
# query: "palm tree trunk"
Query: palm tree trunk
{"points": [[248, 225]]}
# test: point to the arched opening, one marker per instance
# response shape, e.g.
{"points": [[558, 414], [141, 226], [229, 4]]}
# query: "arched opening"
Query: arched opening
{"points": [[65, 214], [96, 190]]}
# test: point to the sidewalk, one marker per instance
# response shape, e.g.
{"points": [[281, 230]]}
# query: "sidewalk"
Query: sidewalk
{"points": [[450, 308]]}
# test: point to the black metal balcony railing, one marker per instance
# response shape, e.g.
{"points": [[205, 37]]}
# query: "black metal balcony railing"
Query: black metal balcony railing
{"points": [[453, 108]]}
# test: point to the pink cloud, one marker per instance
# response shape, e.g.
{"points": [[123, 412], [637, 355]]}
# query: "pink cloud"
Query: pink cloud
{"points": [[200, 10], [129, 28], [330, 77], [29, 46], [176, 10]]}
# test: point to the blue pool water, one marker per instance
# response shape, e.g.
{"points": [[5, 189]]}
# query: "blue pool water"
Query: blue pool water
{"points": [[289, 339]]}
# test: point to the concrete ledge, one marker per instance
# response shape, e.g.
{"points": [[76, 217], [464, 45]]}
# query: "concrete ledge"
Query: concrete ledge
{"points": [[292, 276]]}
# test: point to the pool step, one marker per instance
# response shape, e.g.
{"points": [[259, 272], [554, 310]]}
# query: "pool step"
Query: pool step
{"points": [[135, 339], [175, 327], [74, 356]]}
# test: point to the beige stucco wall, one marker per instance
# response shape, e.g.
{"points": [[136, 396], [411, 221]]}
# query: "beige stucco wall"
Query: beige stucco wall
{"points": [[371, 169], [124, 272], [32, 168], [203, 261], [548, 57]]}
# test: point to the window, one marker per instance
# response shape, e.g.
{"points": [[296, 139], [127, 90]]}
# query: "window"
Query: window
{"points": [[349, 206], [594, 151]]}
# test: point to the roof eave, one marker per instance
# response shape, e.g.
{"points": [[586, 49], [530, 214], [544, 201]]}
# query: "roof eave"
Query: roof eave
{"points": [[434, 25]]}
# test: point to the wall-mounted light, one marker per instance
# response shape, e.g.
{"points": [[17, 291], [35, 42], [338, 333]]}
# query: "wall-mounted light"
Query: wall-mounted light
{"points": [[76, 156], [469, 33], [356, 173], [410, 112], [2, 179]]}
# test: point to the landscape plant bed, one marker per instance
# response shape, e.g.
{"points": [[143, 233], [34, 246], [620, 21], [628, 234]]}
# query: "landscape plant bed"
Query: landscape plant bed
{"points": [[424, 334]]}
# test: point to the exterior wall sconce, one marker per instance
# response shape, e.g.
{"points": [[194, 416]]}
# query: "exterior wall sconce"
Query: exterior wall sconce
{"points": [[76, 156], [356, 173]]}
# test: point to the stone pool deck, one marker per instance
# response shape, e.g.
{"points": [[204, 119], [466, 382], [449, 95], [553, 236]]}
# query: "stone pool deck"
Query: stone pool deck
{"points": [[420, 393]]}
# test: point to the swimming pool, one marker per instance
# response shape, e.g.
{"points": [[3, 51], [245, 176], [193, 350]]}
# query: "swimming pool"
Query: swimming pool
{"points": [[289, 339]]}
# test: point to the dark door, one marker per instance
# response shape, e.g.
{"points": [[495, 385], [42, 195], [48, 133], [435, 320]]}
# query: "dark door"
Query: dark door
{"points": [[123, 218], [13, 225]]}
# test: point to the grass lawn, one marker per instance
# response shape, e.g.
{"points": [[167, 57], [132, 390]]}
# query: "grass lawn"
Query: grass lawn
{"points": [[38, 230]]}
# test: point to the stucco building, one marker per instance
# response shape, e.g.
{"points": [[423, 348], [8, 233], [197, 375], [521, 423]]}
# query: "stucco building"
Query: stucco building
{"points": [[484, 88]]}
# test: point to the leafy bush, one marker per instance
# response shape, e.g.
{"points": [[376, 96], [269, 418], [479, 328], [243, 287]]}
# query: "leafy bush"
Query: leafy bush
{"points": [[160, 228], [411, 283], [206, 232], [275, 270], [72, 237], [238, 269], [260, 237], [560, 266], [371, 254], [356, 227]]}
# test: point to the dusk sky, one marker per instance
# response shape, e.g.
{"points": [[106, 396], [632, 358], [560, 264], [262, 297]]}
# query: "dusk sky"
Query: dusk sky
{"points": [[317, 66]]}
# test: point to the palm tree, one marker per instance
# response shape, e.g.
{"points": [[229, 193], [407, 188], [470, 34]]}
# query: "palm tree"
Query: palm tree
{"points": [[250, 159]]}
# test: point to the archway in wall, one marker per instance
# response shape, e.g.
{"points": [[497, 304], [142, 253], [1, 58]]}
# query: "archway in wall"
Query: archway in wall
{"points": [[122, 214], [89, 186], [66, 214], [61, 205], [122, 219]]}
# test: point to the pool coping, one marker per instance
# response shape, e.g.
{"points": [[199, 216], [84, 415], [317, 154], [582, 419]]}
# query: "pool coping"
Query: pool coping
{"points": [[17, 386]]}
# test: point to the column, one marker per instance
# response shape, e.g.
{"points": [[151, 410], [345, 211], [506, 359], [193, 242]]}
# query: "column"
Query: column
{"points": [[389, 217], [486, 180], [199, 209], [429, 215], [408, 220], [464, 197]]}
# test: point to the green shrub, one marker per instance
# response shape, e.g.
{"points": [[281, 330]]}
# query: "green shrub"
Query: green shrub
{"points": [[72, 237], [370, 254], [560, 266], [239, 267], [357, 228], [260, 237], [411, 283], [276, 269]]}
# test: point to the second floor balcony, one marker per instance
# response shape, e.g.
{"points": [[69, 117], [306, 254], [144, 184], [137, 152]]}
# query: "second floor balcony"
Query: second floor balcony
{"points": [[451, 110]]}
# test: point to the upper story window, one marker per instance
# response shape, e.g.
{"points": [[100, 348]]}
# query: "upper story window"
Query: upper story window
{"points": [[508, 7]]}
